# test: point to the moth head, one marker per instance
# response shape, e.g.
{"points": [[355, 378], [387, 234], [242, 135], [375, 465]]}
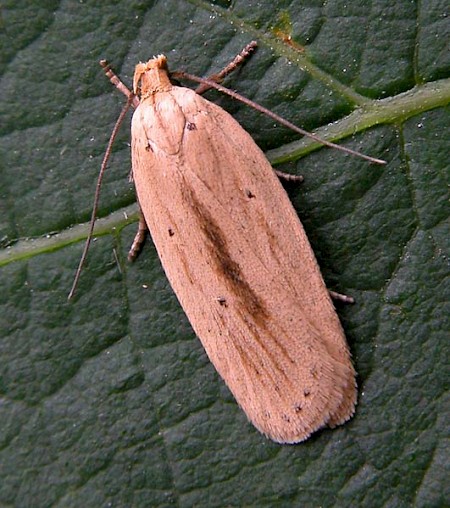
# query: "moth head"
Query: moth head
{"points": [[152, 76]]}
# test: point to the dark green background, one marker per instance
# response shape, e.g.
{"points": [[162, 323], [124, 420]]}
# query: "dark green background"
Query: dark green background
{"points": [[110, 399]]}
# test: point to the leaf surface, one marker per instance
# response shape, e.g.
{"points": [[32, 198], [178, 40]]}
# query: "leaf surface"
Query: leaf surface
{"points": [[110, 398]]}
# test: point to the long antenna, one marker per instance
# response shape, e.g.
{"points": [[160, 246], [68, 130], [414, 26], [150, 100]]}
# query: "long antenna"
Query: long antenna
{"points": [[97, 192], [273, 115]]}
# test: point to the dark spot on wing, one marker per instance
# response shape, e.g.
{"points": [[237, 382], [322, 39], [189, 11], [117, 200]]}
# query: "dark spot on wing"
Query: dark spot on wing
{"points": [[222, 301]]}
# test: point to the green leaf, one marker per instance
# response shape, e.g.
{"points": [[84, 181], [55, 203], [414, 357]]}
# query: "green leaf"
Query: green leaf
{"points": [[110, 399]]}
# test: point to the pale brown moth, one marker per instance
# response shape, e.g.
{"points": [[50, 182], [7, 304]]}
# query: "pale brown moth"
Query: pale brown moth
{"points": [[238, 259]]}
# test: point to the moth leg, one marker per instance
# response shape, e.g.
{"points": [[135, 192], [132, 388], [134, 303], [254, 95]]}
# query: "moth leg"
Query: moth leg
{"points": [[236, 62], [287, 177], [340, 297], [139, 238], [115, 80]]}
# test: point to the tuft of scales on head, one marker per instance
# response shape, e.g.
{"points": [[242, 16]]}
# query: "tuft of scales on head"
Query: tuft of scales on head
{"points": [[151, 77]]}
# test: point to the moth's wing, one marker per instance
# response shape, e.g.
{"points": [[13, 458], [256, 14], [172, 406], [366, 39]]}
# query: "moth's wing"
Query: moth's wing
{"points": [[240, 264]]}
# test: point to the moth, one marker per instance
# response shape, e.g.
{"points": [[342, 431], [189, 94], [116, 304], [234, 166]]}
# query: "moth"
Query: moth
{"points": [[238, 260]]}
